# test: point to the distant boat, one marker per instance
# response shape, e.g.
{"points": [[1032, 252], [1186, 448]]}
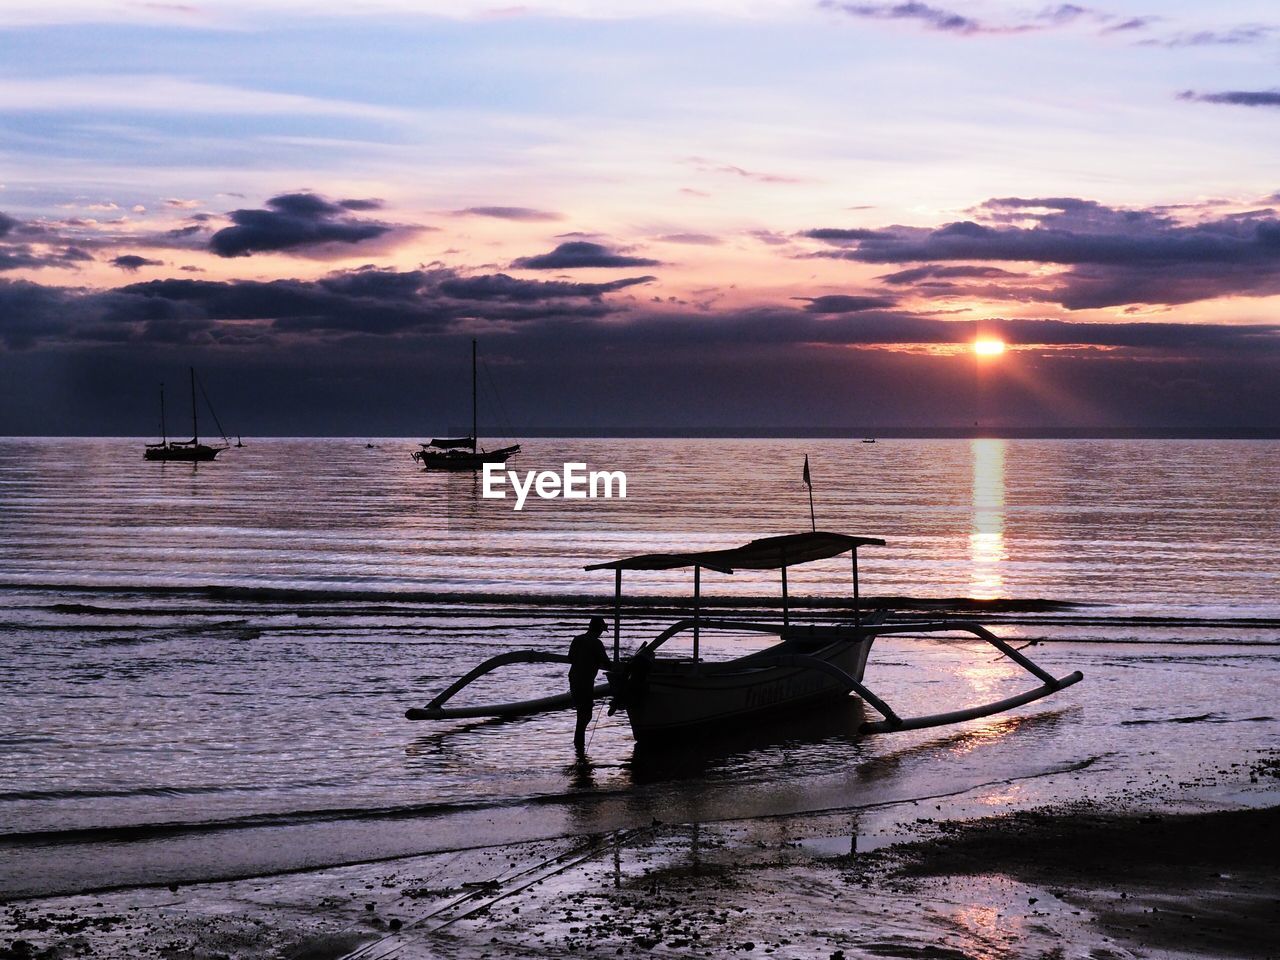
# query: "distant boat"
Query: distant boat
{"points": [[189, 451], [869, 441], [462, 453]]}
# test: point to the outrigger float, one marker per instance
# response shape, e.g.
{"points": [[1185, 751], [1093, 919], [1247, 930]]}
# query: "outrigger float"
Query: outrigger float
{"points": [[810, 664]]}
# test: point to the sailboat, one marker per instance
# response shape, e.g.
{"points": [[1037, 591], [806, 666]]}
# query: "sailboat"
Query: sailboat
{"points": [[462, 453], [189, 451]]}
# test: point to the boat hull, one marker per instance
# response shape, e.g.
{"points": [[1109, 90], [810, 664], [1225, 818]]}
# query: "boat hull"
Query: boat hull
{"points": [[462, 460], [185, 453], [676, 699]]}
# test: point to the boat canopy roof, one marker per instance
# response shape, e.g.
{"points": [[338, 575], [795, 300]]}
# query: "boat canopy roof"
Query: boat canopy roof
{"points": [[450, 443], [767, 553]]}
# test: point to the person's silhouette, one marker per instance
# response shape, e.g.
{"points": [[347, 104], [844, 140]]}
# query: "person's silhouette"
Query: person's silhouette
{"points": [[586, 656]]}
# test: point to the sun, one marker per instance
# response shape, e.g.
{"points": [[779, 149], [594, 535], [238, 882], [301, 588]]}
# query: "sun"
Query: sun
{"points": [[988, 347]]}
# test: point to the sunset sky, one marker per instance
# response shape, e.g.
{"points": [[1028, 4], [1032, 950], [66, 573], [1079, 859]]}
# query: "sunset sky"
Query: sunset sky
{"points": [[743, 216]]}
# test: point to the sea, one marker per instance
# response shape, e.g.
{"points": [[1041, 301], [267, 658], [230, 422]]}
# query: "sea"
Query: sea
{"points": [[204, 669]]}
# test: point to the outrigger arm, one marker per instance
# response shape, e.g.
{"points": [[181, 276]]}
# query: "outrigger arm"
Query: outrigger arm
{"points": [[436, 709], [892, 722]]}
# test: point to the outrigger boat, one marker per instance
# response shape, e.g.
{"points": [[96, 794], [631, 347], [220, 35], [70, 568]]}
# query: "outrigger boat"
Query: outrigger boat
{"points": [[667, 697], [462, 453]]}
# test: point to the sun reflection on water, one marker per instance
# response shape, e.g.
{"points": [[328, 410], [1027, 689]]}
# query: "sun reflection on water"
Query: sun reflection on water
{"points": [[986, 540]]}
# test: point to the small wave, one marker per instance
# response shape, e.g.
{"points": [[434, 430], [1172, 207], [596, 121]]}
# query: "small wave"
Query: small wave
{"points": [[314, 595], [1198, 718], [10, 796], [149, 831]]}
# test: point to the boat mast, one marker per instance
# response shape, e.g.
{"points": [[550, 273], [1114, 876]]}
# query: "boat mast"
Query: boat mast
{"points": [[164, 430], [474, 438], [195, 428]]}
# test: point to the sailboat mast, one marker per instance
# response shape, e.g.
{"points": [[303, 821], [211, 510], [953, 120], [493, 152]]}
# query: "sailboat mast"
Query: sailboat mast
{"points": [[195, 428], [164, 429], [474, 439]]}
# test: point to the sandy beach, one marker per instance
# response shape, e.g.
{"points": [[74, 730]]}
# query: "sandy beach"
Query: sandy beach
{"points": [[1166, 870]]}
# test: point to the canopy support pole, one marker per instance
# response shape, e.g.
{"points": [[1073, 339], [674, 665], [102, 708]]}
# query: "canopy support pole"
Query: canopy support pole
{"points": [[857, 600], [697, 608], [786, 615], [617, 614]]}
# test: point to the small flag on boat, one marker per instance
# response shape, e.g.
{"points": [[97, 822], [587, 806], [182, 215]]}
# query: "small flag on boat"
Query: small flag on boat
{"points": [[807, 482]]}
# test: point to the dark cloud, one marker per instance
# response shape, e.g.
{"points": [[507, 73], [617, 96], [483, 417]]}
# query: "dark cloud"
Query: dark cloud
{"points": [[579, 254], [842, 303], [383, 352], [304, 205], [783, 328], [295, 221], [388, 303], [499, 286], [1055, 17], [367, 301], [840, 234], [1063, 13], [7, 223], [370, 203], [30, 312], [959, 24], [16, 258], [1115, 256], [1232, 37], [20, 256], [510, 213], [131, 262], [1238, 98], [1129, 24], [934, 18], [72, 239], [935, 271]]}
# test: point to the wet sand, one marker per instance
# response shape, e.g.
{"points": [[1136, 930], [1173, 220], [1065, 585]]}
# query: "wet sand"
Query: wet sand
{"points": [[1190, 871], [1200, 883]]}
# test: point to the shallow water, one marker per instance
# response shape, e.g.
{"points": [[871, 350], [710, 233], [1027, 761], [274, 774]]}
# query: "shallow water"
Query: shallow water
{"points": [[189, 645]]}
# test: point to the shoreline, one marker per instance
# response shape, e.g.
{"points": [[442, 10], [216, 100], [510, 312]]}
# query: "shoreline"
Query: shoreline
{"points": [[258, 846], [1187, 867]]}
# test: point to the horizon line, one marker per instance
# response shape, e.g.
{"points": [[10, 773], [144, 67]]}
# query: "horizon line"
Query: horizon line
{"points": [[738, 433]]}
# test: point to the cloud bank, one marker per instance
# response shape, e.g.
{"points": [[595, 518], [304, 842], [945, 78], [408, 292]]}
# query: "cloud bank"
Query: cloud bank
{"points": [[1113, 256]]}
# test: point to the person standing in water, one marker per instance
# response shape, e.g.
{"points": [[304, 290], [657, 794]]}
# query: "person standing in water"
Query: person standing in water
{"points": [[586, 656]]}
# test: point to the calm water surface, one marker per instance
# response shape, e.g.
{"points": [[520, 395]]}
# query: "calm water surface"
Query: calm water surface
{"points": [[187, 644]]}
